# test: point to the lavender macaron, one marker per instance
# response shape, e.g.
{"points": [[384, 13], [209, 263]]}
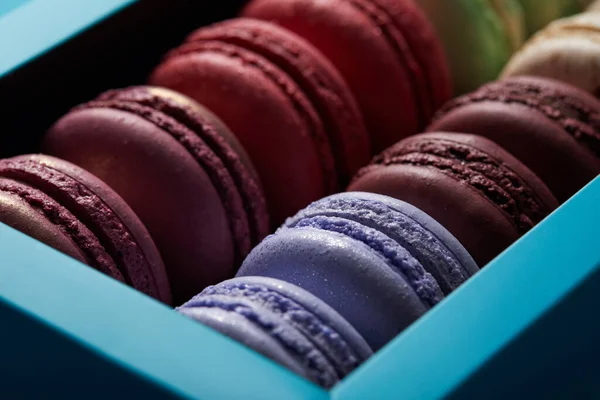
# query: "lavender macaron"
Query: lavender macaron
{"points": [[284, 323], [380, 262]]}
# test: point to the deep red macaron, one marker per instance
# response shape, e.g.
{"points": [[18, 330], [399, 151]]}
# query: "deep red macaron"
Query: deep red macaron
{"points": [[386, 50], [286, 103], [483, 195], [73, 211], [182, 172], [550, 126]]}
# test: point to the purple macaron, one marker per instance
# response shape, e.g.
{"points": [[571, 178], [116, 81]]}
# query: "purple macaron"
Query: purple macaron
{"points": [[283, 322], [381, 263]]}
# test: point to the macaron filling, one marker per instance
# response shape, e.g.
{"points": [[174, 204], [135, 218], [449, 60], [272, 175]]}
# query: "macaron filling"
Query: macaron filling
{"points": [[342, 357], [95, 254], [217, 172], [422, 244], [575, 117], [278, 327], [397, 257], [292, 91], [250, 190], [477, 169]]}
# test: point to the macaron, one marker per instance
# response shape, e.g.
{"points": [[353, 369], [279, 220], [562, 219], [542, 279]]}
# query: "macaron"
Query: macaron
{"points": [[74, 212], [479, 37], [484, 196], [379, 262], [286, 103], [594, 6], [538, 14], [284, 323], [182, 172], [386, 50], [566, 50], [551, 127]]}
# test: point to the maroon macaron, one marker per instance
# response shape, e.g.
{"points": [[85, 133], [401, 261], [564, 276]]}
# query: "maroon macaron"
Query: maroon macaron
{"points": [[387, 51], [550, 126], [286, 103], [180, 170], [73, 211], [484, 196]]}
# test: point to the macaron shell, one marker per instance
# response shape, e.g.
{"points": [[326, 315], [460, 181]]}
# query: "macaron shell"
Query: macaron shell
{"points": [[461, 210], [433, 246], [428, 223], [216, 122], [296, 310], [539, 190], [318, 79], [566, 50], [426, 47], [65, 223], [347, 275], [554, 155], [18, 214], [275, 128], [317, 307], [144, 93], [290, 333], [357, 37], [200, 133], [123, 213], [161, 182], [240, 329]]}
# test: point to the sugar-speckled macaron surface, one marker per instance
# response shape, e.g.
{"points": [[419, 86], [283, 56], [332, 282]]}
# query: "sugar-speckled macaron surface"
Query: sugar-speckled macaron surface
{"points": [[381, 263], [284, 323]]}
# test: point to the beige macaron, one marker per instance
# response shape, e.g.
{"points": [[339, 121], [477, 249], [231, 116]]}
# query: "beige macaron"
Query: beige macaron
{"points": [[567, 50]]}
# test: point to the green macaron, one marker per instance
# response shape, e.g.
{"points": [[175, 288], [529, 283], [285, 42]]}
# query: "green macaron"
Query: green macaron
{"points": [[479, 36], [538, 13]]}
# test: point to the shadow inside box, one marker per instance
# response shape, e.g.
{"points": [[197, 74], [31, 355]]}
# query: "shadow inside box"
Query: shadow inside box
{"points": [[94, 377], [563, 370], [119, 51]]}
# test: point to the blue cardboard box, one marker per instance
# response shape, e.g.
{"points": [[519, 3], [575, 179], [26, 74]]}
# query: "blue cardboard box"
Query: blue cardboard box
{"points": [[524, 327]]}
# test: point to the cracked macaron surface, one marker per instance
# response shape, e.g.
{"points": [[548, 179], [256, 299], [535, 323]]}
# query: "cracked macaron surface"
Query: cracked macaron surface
{"points": [[480, 193], [551, 127]]}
